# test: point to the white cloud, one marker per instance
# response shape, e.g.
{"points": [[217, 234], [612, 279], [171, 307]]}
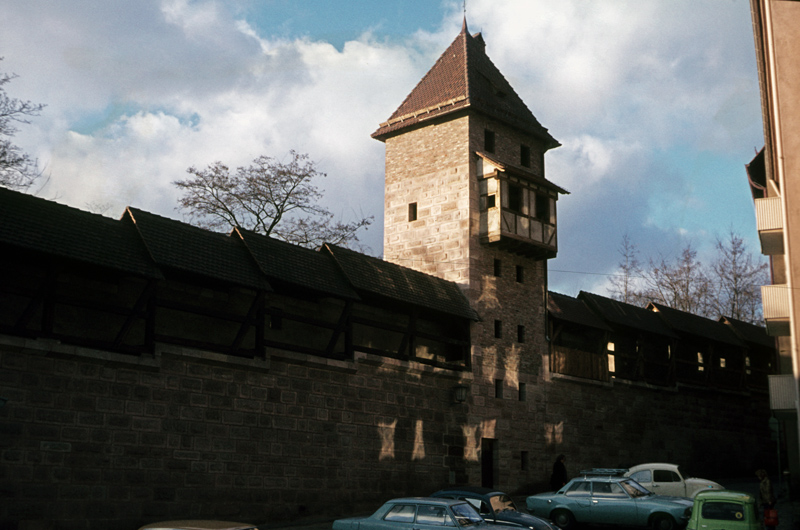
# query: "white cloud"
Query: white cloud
{"points": [[139, 91]]}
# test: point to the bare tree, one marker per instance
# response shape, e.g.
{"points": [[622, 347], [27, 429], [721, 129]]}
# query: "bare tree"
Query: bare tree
{"points": [[681, 283], [624, 282], [18, 170], [269, 197], [738, 277]]}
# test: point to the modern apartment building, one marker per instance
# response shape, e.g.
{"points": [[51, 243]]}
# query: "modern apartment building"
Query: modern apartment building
{"points": [[774, 176]]}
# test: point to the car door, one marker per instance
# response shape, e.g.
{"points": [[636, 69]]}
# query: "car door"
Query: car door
{"points": [[612, 505], [432, 517], [578, 499], [667, 482], [399, 517]]}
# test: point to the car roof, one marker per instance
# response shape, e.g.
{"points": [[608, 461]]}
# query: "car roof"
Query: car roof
{"points": [[474, 490], [662, 465], [601, 478], [425, 500], [725, 495]]}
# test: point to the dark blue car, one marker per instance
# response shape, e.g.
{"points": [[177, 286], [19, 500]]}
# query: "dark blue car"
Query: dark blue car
{"points": [[495, 507]]}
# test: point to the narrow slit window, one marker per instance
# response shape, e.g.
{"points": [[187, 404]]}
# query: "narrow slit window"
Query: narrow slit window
{"points": [[412, 212], [520, 274], [523, 392], [488, 140], [498, 388], [520, 333], [498, 267], [524, 155], [498, 329]]}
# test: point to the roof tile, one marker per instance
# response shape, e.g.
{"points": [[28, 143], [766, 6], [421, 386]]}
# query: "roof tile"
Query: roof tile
{"points": [[186, 248], [376, 277], [464, 77], [36, 224]]}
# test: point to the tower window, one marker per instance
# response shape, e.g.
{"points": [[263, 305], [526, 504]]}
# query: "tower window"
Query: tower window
{"points": [[520, 333], [514, 198], [498, 329], [543, 208], [525, 156], [520, 274], [490, 201], [498, 267], [488, 140], [523, 460], [498, 388], [523, 392], [412, 211]]}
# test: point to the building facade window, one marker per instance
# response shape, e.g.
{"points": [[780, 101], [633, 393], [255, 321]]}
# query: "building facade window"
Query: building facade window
{"points": [[514, 198], [520, 274], [498, 388], [523, 460], [498, 329], [488, 141], [520, 333], [523, 392], [498, 268], [543, 208], [524, 155], [412, 212]]}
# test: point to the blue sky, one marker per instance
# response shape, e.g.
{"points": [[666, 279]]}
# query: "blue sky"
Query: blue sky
{"points": [[655, 103]]}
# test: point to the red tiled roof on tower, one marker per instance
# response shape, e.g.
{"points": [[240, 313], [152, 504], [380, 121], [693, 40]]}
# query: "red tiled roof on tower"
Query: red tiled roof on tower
{"points": [[464, 77]]}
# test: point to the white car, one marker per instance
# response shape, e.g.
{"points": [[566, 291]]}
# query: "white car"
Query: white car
{"points": [[666, 479]]}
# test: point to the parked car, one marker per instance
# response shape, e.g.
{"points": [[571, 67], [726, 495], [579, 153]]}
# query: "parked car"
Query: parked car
{"points": [[666, 479], [495, 507], [612, 500], [420, 513], [198, 525], [729, 510]]}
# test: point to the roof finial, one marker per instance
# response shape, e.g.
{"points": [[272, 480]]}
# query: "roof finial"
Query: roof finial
{"points": [[464, 23]]}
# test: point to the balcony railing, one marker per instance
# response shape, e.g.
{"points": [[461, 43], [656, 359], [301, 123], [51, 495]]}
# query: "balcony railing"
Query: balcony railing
{"points": [[522, 233], [775, 303], [769, 222]]}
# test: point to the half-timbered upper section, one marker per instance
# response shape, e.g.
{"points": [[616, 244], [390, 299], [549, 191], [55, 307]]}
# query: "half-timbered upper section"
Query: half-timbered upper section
{"points": [[126, 285], [597, 338]]}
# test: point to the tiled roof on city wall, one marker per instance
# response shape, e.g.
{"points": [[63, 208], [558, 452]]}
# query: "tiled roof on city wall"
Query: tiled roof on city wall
{"points": [[749, 333], [297, 266], [571, 309], [376, 277], [146, 244], [39, 225], [464, 77], [696, 325], [185, 248], [622, 315]]}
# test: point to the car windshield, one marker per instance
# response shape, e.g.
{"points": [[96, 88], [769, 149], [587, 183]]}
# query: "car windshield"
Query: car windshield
{"points": [[502, 503], [634, 489], [466, 515]]}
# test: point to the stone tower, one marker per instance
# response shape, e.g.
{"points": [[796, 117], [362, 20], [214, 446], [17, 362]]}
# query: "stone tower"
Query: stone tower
{"points": [[466, 199]]}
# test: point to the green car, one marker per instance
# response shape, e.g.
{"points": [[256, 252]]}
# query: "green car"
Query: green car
{"points": [[728, 510]]}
